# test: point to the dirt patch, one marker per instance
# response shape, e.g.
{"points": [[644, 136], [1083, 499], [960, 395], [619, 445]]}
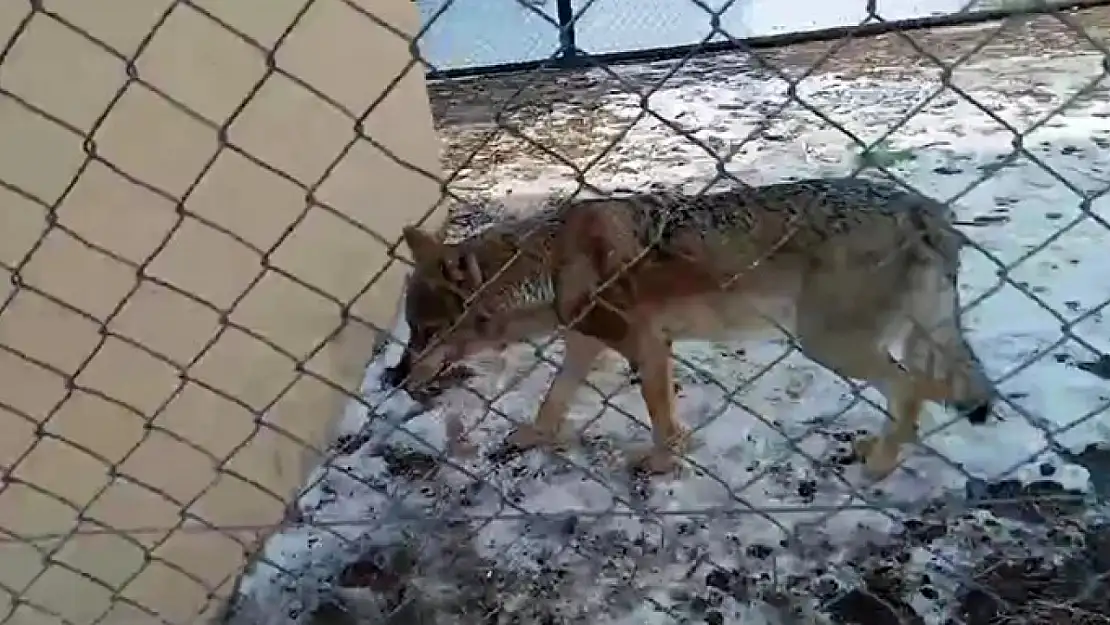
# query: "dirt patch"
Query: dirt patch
{"points": [[881, 583]]}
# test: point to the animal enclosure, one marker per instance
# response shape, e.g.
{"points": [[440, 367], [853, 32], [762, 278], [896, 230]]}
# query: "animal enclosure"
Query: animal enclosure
{"points": [[203, 295]]}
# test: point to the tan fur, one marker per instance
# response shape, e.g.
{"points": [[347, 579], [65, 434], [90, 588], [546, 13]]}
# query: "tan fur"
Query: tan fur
{"points": [[846, 265]]}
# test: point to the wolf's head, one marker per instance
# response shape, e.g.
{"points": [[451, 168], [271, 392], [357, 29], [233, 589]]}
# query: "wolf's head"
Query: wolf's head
{"points": [[445, 324]]}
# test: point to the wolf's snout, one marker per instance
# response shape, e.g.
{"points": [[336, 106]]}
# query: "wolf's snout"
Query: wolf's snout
{"points": [[395, 375], [976, 411]]}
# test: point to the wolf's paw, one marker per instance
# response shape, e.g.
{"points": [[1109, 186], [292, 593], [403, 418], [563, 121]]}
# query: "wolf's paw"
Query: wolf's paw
{"points": [[662, 459], [654, 462], [879, 455], [528, 436]]}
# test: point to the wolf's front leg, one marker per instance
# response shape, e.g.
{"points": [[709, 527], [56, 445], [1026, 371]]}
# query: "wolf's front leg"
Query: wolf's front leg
{"points": [[652, 358], [581, 352]]}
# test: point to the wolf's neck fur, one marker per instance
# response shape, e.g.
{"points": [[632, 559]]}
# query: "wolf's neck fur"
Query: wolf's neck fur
{"points": [[527, 285], [526, 294], [517, 256]]}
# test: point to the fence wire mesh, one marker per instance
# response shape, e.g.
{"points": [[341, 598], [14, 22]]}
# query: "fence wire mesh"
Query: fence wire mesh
{"points": [[422, 513]]}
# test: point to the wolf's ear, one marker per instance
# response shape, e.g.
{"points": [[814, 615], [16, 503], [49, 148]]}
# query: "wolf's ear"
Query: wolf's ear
{"points": [[424, 247]]}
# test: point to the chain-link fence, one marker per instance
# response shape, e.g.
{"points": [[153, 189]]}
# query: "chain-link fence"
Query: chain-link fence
{"points": [[489, 36], [636, 372]]}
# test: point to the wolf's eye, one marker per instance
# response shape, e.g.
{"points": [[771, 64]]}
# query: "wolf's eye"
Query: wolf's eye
{"points": [[452, 272], [423, 334], [482, 323], [434, 331]]}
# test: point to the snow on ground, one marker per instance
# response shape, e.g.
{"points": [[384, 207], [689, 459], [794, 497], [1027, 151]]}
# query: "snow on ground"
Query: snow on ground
{"points": [[767, 524]]}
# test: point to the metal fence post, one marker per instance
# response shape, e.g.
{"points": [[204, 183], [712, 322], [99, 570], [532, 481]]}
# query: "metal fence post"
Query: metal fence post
{"points": [[567, 48]]}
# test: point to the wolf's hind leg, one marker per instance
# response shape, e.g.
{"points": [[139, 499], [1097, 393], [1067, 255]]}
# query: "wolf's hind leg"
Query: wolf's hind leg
{"points": [[937, 351], [580, 353], [862, 356], [905, 401]]}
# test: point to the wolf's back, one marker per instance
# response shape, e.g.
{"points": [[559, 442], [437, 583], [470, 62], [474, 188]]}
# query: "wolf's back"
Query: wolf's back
{"points": [[588, 241]]}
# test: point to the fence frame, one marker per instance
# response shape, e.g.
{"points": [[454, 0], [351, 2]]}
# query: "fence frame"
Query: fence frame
{"points": [[570, 56]]}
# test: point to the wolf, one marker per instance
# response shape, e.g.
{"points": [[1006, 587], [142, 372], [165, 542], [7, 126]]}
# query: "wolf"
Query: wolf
{"points": [[850, 267]]}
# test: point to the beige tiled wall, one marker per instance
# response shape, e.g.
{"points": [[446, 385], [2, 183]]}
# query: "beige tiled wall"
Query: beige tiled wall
{"points": [[159, 288]]}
